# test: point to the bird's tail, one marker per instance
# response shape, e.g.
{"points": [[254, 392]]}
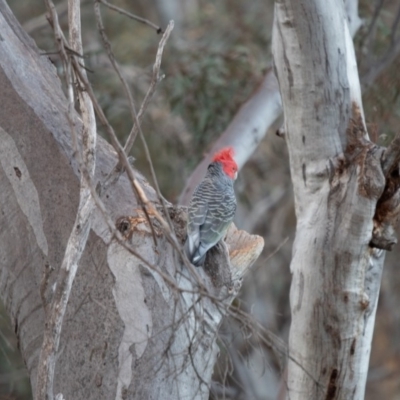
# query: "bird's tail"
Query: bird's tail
{"points": [[193, 254]]}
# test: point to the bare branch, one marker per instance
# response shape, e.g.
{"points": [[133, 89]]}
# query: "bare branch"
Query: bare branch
{"points": [[120, 230], [148, 206], [41, 21], [115, 65], [378, 67], [371, 27], [262, 207], [245, 132], [257, 115], [128, 93], [194, 316], [155, 79], [133, 16], [77, 240], [58, 33]]}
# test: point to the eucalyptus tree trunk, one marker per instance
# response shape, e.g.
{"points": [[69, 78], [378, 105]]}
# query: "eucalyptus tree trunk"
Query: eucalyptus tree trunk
{"points": [[140, 323], [345, 190]]}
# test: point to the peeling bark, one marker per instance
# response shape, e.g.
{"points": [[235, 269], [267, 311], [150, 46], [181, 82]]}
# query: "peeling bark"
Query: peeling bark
{"points": [[340, 188], [134, 328]]}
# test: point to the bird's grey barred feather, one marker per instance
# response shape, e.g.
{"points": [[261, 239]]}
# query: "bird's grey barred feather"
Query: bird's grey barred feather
{"points": [[211, 211]]}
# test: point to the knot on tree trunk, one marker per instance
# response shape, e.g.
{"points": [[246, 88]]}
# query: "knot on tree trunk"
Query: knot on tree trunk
{"points": [[378, 178]]}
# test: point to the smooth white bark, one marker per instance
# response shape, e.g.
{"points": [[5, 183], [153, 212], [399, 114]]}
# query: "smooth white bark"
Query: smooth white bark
{"points": [[337, 179], [353, 19]]}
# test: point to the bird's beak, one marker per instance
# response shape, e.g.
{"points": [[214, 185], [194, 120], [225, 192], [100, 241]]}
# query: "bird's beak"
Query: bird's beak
{"points": [[235, 177]]}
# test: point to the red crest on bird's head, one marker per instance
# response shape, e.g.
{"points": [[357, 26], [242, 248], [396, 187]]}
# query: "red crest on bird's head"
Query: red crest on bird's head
{"points": [[225, 157]]}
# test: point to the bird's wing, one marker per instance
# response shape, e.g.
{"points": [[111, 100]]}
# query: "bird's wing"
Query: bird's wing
{"points": [[220, 213], [197, 214]]}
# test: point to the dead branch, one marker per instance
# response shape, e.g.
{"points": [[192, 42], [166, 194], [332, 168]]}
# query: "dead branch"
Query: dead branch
{"points": [[41, 20], [245, 132], [371, 27], [107, 46], [148, 207], [133, 16], [155, 79], [194, 312], [81, 229], [377, 67]]}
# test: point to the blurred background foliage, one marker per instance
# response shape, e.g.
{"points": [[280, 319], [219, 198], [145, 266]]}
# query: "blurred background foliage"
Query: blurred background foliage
{"points": [[215, 59]]}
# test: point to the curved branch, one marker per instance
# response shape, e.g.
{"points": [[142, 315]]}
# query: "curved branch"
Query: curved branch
{"points": [[133, 16], [245, 132], [132, 315], [258, 114]]}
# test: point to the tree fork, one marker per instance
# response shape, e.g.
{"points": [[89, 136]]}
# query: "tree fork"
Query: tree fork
{"points": [[129, 329]]}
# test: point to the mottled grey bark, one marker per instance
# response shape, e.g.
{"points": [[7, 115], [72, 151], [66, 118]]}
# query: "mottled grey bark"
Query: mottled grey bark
{"points": [[340, 186], [133, 329]]}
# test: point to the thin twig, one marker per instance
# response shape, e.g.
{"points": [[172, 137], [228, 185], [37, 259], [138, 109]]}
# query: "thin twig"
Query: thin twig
{"points": [[116, 234], [133, 16], [377, 68], [40, 21], [378, 8], [134, 182], [58, 33], [264, 261], [155, 79], [111, 56], [80, 232], [367, 37], [270, 340], [84, 157], [107, 46], [114, 175]]}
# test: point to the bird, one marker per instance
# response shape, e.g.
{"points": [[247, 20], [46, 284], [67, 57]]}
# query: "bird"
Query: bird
{"points": [[212, 207]]}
